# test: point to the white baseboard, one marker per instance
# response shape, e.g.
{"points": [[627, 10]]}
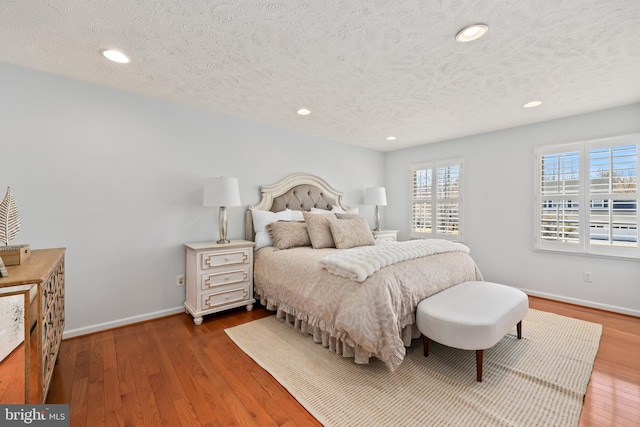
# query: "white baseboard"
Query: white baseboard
{"points": [[585, 303], [135, 319], [121, 322]]}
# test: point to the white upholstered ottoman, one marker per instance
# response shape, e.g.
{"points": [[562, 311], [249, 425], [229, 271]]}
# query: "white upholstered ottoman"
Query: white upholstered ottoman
{"points": [[471, 316]]}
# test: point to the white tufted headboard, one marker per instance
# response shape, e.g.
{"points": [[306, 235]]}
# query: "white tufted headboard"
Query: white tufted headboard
{"points": [[299, 191]]}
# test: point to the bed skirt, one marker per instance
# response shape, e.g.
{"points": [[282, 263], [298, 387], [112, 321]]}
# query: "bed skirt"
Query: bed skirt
{"points": [[332, 338]]}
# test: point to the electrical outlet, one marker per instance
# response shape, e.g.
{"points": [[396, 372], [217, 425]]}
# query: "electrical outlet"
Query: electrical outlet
{"points": [[180, 280], [586, 276]]}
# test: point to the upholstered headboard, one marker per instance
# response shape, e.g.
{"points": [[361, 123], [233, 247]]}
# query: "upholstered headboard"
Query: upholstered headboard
{"points": [[299, 191]]}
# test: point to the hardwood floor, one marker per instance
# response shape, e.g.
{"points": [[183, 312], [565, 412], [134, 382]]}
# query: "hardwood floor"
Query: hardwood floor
{"points": [[169, 372]]}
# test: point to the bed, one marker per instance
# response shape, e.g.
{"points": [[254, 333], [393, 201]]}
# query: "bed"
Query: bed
{"points": [[372, 315]]}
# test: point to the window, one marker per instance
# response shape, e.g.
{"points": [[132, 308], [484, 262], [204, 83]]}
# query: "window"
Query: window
{"points": [[587, 197], [436, 200]]}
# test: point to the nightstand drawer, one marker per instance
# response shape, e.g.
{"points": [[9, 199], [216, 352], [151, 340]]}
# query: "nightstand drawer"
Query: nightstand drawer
{"points": [[218, 299], [220, 259], [385, 235], [229, 277]]}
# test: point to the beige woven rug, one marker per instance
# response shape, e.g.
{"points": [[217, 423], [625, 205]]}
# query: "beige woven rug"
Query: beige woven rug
{"points": [[537, 381]]}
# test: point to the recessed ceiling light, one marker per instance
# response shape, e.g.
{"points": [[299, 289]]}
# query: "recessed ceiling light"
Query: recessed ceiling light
{"points": [[303, 112], [115, 56], [391, 138], [472, 32], [532, 104]]}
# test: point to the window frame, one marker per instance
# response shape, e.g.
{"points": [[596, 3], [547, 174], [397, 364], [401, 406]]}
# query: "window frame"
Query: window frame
{"points": [[434, 166], [585, 197]]}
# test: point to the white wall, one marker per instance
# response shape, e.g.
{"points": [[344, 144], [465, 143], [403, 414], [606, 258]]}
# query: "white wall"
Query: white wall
{"points": [[117, 179], [499, 179]]}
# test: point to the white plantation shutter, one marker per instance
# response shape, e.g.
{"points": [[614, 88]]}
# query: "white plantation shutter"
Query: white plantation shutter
{"points": [[559, 182], [421, 201], [587, 197], [436, 200], [613, 195]]}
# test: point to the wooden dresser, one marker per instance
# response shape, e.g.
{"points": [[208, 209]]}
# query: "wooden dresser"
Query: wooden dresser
{"points": [[40, 280]]}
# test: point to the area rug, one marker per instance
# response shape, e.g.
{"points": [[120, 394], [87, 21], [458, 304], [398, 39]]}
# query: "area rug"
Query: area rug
{"points": [[539, 380]]}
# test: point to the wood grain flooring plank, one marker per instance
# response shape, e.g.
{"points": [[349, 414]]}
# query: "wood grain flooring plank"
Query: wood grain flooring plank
{"points": [[79, 402], [112, 399], [131, 411], [95, 384], [124, 340], [140, 363], [188, 416], [165, 363], [62, 377], [173, 341]]}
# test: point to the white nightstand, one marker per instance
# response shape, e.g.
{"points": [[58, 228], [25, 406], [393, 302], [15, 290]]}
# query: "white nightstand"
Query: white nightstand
{"points": [[386, 235], [219, 277]]}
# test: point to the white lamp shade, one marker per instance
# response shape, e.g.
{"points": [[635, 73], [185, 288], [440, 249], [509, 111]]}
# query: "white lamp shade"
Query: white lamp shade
{"points": [[375, 196], [221, 191]]}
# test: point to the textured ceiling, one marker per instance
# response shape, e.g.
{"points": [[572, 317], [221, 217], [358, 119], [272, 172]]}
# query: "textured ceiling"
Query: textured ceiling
{"points": [[366, 69]]}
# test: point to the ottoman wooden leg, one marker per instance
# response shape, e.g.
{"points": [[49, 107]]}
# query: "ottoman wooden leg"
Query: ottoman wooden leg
{"points": [[479, 355], [425, 345], [519, 329]]}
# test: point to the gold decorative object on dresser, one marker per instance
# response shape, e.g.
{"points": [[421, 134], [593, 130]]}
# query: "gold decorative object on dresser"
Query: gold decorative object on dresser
{"points": [[385, 235], [219, 277], [40, 281]]}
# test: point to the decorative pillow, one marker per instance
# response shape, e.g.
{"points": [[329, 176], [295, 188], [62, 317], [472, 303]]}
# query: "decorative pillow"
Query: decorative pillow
{"points": [[349, 233], [288, 234], [318, 229], [260, 221]]}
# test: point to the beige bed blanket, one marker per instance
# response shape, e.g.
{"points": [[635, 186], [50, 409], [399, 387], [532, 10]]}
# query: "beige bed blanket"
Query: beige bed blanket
{"points": [[356, 319]]}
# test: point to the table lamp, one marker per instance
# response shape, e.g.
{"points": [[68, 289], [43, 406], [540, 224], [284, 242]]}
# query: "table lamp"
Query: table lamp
{"points": [[221, 192], [375, 196]]}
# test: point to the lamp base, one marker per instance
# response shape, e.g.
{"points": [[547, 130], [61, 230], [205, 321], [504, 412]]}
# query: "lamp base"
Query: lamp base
{"points": [[377, 227], [222, 225]]}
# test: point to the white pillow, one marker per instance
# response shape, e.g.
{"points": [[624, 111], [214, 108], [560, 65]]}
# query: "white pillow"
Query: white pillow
{"points": [[316, 210], [336, 209], [296, 215], [260, 221]]}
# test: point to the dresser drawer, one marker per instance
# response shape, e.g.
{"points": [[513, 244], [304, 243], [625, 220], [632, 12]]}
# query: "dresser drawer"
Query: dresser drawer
{"points": [[222, 298], [221, 259], [228, 277]]}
